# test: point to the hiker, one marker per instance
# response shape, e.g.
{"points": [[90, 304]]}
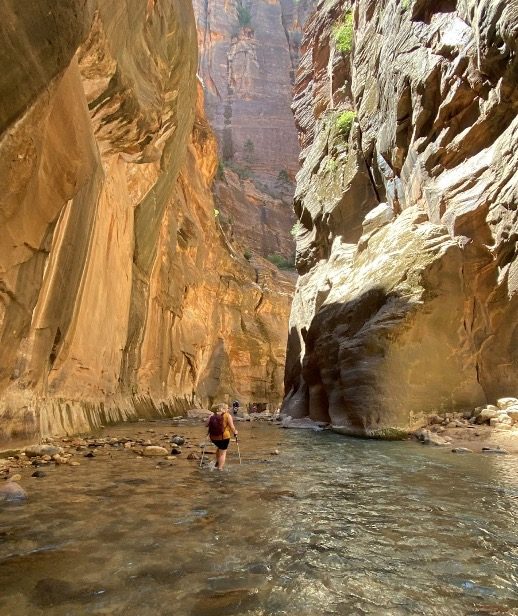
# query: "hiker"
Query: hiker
{"points": [[221, 427], [235, 407]]}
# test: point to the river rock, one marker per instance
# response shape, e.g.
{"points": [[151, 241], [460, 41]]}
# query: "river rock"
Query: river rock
{"points": [[495, 450], [462, 450], [487, 414], [175, 451], [16, 477], [512, 412], [430, 438], [177, 440], [35, 451], [193, 456], [10, 491], [505, 403], [39, 474], [154, 450]]}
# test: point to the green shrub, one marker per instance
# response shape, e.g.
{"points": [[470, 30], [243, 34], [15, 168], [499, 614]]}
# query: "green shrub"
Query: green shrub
{"points": [[405, 4], [244, 16], [247, 255], [344, 122], [281, 262], [249, 148], [331, 165], [343, 34], [220, 171], [297, 227], [283, 177]]}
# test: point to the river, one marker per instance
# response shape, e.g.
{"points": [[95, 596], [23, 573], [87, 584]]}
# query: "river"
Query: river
{"points": [[331, 525]]}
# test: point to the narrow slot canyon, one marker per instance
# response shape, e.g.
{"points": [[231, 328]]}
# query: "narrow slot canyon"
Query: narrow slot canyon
{"points": [[258, 307]]}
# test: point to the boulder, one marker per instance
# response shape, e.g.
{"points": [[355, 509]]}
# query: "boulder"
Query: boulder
{"points": [[505, 403], [487, 414], [12, 492], [154, 450]]}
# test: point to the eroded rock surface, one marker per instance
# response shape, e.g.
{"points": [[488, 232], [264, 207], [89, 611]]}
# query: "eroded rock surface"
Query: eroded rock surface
{"points": [[119, 294], [248, 56], [407, 300]]}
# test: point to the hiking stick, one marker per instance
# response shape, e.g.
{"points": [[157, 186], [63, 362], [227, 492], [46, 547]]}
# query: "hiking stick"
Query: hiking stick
{"points": [[202, 454], [239, 453]]}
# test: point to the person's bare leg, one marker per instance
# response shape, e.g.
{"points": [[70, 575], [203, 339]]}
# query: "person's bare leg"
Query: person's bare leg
{"points": [[222, 457], [218, 456]]}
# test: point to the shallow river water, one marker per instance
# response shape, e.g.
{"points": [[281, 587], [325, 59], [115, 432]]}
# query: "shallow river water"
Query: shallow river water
{"points": [[330, 526]]}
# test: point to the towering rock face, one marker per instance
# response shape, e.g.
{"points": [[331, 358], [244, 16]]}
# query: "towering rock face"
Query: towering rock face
{"points": [[119, 294], [248, 54], [407, 299]]}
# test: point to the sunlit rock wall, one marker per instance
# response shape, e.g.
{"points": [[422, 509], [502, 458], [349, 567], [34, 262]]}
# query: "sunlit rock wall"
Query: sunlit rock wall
{"points": [[248, 55], [118, 293], [407, 299]]}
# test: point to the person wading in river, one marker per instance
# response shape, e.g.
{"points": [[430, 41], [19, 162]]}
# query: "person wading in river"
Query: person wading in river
{"points": [[221, 427]]}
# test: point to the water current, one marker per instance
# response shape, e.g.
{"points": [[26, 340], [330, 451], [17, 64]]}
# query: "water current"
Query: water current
{"points": [[332, 525]]}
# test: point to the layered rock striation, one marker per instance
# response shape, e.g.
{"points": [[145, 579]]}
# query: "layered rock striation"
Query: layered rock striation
{"points": [[407, 299], [119, 294], [248, 55]]}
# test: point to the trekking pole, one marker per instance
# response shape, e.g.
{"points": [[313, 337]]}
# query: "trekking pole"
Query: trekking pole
{"points": [[238, 452], [203, 453]]}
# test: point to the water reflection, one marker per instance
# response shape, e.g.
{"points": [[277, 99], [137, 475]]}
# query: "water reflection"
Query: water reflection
{"points": [[331, 526]]}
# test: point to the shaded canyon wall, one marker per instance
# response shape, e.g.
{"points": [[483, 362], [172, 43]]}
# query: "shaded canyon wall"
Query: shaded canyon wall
{"points": [[119, 293], [407, 299]]}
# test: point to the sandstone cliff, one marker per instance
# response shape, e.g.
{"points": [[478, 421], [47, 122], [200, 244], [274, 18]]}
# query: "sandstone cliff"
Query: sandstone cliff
{"points": [[248, 55], [407, 299], [119, 295]]}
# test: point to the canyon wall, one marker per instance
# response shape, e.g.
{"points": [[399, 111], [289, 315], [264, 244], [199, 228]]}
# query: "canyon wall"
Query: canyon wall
{"points": [[407, 299], [120, 295], [248, 55]]}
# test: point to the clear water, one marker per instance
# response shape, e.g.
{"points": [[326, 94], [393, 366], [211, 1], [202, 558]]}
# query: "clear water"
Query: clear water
{"points": [[331, 526]]}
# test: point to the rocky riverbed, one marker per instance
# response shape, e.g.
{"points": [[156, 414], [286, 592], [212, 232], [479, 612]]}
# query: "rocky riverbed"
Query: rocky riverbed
{"points": [[308, 525]]}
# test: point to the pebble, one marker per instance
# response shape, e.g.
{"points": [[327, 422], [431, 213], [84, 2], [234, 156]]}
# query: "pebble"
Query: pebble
{"points": [[275, 452], [177, 440], [39, 474], [171, 458], [12, 492], [74, 463]]}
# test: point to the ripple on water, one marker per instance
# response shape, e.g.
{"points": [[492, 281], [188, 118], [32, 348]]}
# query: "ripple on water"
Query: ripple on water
{"points": [[331, 526]]}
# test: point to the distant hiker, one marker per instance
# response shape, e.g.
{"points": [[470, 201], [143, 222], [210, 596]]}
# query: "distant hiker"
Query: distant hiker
{"points": [[235, 407], [221, 428], [254, 408]]}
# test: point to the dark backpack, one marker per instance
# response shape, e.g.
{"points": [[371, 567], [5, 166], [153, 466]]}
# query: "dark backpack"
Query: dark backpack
{"points": [[216, 425]]}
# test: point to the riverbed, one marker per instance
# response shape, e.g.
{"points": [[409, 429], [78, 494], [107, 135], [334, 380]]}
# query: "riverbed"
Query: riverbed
{"points": [[330, 525]]}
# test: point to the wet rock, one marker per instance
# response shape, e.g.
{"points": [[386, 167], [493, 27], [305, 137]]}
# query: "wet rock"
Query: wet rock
{"points": [[74, 463], [512, 413], [39, 451], [60, 459], [429, 438], [16, 477], [176, 451], [171, 458], [90, 454], [177, 440], [154, 450], [12, 492], [39, 474], [462, 450], [193, 456], [275, 452], [495, 450]]}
